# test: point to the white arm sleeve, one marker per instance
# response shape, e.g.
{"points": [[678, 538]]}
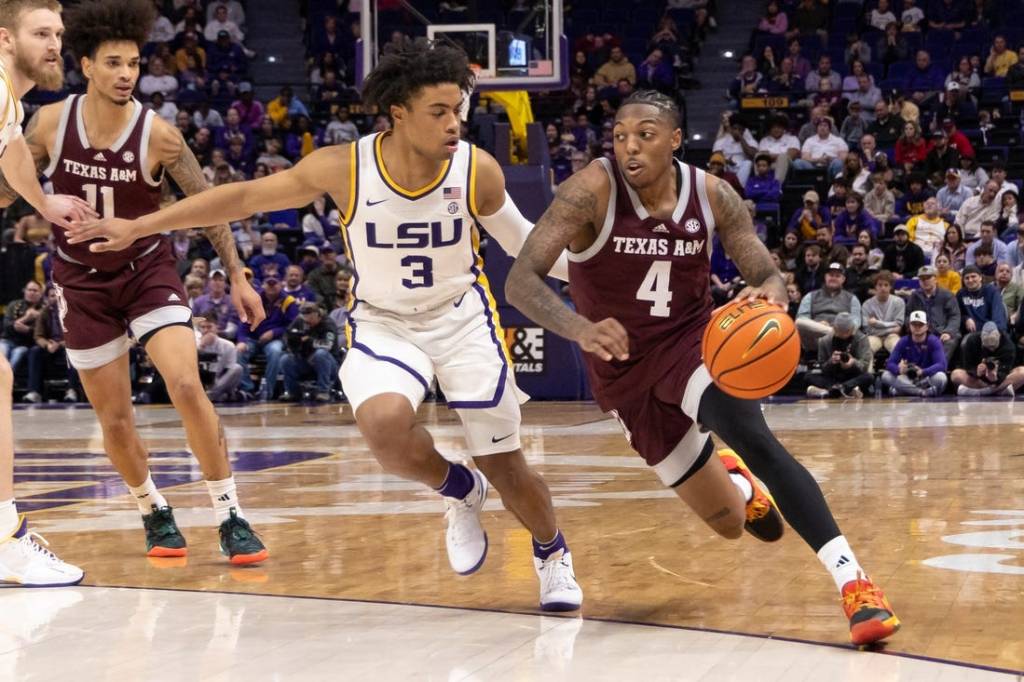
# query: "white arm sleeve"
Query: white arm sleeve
{"points": [[511, 229]]}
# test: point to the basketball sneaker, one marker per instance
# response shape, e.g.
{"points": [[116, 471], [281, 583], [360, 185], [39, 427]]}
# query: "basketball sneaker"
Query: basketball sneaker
{"points": [[26, 561], [239, 542], [871, 617], [465, 538], [763, 519], [559, 590], [163, 539]]}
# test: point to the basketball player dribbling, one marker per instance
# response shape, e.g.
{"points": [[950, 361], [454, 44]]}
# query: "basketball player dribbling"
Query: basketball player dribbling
{"points": [[639, 230], [31, 34], [106, 147], [422, 308]]}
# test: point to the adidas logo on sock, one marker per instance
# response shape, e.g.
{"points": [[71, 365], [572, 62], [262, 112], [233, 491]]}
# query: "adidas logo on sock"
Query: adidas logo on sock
{"points": [[843, 560], [173, 297], [226, 497]]}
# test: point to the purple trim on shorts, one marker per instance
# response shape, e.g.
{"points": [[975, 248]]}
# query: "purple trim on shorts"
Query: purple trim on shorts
{"points": [[500, 391], [393, 361]]}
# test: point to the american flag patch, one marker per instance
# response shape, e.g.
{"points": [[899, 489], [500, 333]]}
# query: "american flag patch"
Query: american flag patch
{"points": [[452, 193]]}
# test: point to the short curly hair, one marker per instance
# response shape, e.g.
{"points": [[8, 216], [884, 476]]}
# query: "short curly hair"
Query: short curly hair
{"points": [[91, 23], [401, 73]]}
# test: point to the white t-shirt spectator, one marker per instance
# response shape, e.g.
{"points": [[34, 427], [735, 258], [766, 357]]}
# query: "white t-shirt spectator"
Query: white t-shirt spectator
{"points": [[832, 146], [912, 17], [212, 119], [778, 146], [235, 11], [162, 31], [167, 111], [166, 84], [732, 149], [340, 132], [214, 27], [880, 20]]}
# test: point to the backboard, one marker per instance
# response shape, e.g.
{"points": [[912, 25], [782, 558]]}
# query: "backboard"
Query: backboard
{"points": [[515, 45]]}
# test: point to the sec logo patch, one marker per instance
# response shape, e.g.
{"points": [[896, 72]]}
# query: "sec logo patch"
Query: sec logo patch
{"points": [[692, 226]]}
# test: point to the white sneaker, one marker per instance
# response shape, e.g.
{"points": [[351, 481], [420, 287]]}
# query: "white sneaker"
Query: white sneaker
{"points": [[559, 590], [466, 540], [32, 397], [71, 396], [816, 392], [26, 562]]}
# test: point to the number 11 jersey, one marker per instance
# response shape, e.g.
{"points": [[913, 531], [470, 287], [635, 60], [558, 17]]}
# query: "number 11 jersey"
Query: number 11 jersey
{"points": [[115, 181]]}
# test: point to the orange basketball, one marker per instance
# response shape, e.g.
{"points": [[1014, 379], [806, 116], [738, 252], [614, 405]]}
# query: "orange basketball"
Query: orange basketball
{"points": [[751, 348]]}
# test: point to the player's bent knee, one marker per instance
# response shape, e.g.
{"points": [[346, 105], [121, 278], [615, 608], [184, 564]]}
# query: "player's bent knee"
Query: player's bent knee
{"points": [[187, 388], [507, 470]]}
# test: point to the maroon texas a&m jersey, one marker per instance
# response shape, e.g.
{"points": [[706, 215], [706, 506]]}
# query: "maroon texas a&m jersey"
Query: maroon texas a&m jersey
{"points": [[651, 275], [116, 181]]}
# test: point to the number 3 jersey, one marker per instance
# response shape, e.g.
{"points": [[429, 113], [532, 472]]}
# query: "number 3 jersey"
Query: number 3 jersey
{"points": [[412, 250], [651, 275], [115, 181]]}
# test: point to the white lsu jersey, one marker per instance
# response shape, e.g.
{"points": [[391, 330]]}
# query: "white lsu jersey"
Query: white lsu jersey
{"points": [[412, 250], [11, 113]]}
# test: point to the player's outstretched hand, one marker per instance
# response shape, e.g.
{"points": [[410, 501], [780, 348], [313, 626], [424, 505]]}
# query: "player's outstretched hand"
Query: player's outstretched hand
{"points": [[606, 339], [64, 209], [772, 290], [116, 233], [247, 302]]}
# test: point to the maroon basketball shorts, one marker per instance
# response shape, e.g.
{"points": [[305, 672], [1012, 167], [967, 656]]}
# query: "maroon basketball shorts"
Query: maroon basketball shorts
{"points": [[98, 309], [660, 423]]}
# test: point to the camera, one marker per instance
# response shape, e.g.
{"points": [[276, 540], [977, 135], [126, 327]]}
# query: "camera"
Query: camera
{"points": [[913, 372], [844, 357], [990, 364]]}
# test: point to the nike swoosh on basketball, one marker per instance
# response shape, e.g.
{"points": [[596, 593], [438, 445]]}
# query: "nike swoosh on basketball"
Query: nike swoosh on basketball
{"points": [[769, 327], [374, 203], [498, 440]]}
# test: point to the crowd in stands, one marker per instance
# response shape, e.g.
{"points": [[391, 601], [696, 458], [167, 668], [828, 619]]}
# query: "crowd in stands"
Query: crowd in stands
{"points": [[196, 75], [875, 142]]}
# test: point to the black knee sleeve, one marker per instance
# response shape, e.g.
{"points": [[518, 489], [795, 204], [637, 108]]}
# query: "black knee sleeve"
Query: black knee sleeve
{"points": [[742, 426]]}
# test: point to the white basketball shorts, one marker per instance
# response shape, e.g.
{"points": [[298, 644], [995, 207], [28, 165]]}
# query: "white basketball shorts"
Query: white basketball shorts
{"points": [[460, 343]]}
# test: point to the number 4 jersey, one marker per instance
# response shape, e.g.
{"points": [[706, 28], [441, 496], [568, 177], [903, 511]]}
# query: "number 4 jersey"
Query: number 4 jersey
{"points": [[116, 181], [412, 250], [651, 275]]}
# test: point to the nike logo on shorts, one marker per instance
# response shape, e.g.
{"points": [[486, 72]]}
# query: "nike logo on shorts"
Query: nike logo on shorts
{"points": [[374, 203], [498, 440]]}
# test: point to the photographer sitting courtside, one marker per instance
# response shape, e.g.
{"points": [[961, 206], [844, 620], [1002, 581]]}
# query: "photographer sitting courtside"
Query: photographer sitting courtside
{"points": [[312, 341], [218, 360], [917, 365], [844, 359], [987, 358]]}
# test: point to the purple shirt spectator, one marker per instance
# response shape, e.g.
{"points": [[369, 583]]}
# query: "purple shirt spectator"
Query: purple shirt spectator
{"points": [[280, 313], [929, 356]]}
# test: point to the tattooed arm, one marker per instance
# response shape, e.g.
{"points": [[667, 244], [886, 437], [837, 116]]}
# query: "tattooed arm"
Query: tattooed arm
{"points": [[736, 230], [181, 164], [571, 219]]}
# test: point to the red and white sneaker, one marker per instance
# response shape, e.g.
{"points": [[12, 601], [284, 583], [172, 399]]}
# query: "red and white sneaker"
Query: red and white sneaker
{"points": [[763, 519]]}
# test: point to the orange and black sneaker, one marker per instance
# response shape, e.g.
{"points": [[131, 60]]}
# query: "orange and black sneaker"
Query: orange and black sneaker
{"points": [[871, 617], [163, 539], [763, 519]]}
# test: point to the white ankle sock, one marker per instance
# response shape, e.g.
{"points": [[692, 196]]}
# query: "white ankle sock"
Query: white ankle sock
{"points": [[744, 486], [224, 496], [840, 561], [146, 495], [8, 518]]}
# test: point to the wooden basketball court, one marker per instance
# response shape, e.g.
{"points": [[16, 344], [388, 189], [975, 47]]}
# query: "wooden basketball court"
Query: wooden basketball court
{"points": [[930, 495]]}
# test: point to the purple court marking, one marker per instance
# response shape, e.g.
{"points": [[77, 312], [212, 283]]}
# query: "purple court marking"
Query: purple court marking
{"points": [[105, 482]]}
